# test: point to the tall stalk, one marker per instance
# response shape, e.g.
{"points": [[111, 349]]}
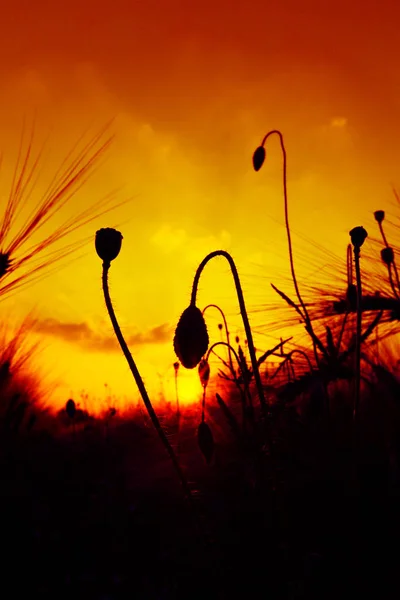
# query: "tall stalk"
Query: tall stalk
{"points": [[258, 160], [358, 236], [107, 241]]}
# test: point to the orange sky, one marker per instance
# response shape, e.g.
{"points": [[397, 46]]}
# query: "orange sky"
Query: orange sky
{"points": [[193, 88]]}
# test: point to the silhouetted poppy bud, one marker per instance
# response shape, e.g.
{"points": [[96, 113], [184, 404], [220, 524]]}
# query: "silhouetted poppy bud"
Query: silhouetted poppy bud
{"points": [[108, 243], [191, 337], [5, 263], [358, 236], [220, 326], [70, 408], [205, 440], [204, 372], [387, 256], [351, 295], [176, 366], [237, 339], [258, 158], [379, 215]]}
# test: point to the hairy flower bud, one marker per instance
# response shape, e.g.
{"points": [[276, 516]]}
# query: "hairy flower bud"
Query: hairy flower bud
{"points": [[108, 243], [358, 236], [258, 158], [191, 337], [204, 372], [351, 295], [379, 215], [387, 256]]}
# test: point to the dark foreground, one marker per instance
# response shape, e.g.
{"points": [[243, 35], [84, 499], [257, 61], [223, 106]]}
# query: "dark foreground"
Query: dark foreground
{"points": [[100, 514]]}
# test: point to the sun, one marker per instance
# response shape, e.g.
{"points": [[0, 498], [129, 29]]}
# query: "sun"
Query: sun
{"points": [[189, 387]]}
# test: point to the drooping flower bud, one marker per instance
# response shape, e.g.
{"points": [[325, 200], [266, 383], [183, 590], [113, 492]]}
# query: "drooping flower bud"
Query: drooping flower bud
{"points": [[387, 256], [358, 236], [204, 372], [258, 158], [176, 366], [191, 337], [108, 243], [379, 215], [205, 440]]}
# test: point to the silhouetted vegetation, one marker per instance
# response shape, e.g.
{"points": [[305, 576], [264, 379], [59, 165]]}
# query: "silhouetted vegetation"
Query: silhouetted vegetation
{"points": [[290, 464]]}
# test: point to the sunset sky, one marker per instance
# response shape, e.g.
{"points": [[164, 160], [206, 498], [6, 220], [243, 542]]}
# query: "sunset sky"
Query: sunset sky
{"points": [[192, 88]]}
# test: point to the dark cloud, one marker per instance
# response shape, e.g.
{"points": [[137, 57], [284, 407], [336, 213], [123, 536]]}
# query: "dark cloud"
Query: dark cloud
{"points": [[85, 337]]}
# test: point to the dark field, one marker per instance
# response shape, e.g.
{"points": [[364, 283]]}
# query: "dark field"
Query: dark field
{"points": [[96, 511]]}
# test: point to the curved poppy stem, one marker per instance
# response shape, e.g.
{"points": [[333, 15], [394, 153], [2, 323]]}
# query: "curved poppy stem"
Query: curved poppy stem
{"points": [[243, 312], [139, 382], [306, 315], [226, 333]]}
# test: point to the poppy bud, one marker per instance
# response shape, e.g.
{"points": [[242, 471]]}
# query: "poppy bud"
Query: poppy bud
{"points": [[204, 372], [379, 215], [108, 243], [387, 256], [258, 158], [351, 295], [358, 236], [191, 337]]}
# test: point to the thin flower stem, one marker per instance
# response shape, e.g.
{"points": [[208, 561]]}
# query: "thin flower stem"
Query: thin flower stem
{"points": [[203, 404], [306, 316], [243, 312], [226, 333], [139, 382], [358, 333]]}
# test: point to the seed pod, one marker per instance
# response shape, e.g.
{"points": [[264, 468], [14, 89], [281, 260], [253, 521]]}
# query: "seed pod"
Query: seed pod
{"points": [[70, 408], [258, 158], [358, 236], [191, 337], [108, 243], [379, 215], [204, 372], [206, 441], [387, 256]]}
